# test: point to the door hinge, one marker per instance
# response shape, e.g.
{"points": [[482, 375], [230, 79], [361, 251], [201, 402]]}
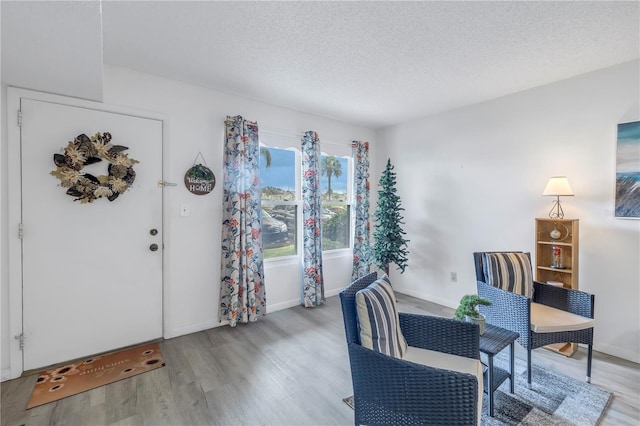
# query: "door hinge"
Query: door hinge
{"points": [[20, 339], [19, 118], [20, 231]]}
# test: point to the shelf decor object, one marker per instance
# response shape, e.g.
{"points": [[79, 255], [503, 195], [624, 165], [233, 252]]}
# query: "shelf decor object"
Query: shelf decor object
{"points": [[556, 258], [556, 261], [558, 186], [560, 232]]}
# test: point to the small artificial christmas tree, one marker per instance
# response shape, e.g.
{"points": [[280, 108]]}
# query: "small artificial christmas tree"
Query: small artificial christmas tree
{"points": [[389, 245]]}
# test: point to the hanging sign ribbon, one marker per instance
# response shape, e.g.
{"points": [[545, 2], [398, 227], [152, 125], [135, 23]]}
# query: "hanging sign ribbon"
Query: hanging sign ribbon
{"points": [[199, 179]]}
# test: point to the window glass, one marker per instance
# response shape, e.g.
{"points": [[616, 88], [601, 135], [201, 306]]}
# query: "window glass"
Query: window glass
{"points": [[281, 204], [333, 178], [279, 208], [279, 230], [335, 226], [335, 198], [278, 174]]}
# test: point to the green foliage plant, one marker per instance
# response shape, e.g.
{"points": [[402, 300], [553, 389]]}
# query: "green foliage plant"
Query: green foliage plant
{"points": [[201, 172], [389, 244], [469, 306], [335, 231]]}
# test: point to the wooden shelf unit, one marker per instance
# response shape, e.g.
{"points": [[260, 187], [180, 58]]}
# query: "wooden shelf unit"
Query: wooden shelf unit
{"points": [[568, 243]]}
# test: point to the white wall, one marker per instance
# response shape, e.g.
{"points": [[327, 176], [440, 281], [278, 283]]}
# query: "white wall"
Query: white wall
{"points": [[192, 244], [196, 124], [41, 49], [471, 180]]}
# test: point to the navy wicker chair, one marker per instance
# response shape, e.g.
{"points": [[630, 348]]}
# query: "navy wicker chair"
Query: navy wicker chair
{"points": [[552, 315], [389, 390]]}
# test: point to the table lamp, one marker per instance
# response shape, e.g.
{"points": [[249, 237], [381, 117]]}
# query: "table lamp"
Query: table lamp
{"points": [[558, 186]]}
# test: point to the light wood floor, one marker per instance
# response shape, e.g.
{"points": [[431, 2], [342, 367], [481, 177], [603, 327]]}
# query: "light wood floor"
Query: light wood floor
{"points": [[289, 368]]}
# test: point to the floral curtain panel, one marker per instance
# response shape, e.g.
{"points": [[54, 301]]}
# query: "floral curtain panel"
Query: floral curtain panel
{"points": [[242, 295], [312, 283], [361, 192]]}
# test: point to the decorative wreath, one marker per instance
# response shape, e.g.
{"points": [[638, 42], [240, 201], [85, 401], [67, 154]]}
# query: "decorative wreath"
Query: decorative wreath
{"points": [[83, 151]]}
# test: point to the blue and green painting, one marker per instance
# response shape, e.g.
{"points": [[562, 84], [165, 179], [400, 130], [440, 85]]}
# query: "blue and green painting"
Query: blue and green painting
{"points": [[628, 170]]}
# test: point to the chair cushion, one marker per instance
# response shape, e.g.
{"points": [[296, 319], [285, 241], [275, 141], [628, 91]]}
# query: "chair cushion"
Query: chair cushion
{"points": [[509, 271], [446, 361], [545, 319], [378, 319]]}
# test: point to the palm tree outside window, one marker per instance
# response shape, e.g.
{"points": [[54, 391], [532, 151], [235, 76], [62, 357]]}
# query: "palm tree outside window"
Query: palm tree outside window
{"points": [[279, 169], [336, 202]]}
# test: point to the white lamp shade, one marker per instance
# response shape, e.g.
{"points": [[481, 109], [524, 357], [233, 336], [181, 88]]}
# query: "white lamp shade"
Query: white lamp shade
{"points": [[558, 186]]}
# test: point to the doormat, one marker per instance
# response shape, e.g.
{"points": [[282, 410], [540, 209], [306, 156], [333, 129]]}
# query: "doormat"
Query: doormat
{"points": [[554, 399], [94, 372]]}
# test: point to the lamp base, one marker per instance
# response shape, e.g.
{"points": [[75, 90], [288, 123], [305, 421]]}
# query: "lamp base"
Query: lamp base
{"points": [[558, 213]]}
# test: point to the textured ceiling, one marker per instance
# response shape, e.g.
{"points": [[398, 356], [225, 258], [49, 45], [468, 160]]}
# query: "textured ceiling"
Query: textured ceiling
{"points": [[368, 63]]}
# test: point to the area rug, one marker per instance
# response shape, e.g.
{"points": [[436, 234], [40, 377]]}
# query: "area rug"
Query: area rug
{"points": [[71, 379], [554, 399]]}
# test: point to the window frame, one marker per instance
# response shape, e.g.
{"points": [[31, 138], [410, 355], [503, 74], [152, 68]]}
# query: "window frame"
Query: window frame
{"points": [[296, 202], [348, 203], [329, 254]]}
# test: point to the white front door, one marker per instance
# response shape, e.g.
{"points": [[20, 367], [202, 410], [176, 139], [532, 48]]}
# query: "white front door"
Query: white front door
{"points": [[91, 282]]}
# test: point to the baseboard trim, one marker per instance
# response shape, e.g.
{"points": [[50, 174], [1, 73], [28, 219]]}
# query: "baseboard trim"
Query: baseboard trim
{"points": [[428, 298], [282, 305], [192, 328], [333, 292], [617, 351], [5, 374], [297, 302]]}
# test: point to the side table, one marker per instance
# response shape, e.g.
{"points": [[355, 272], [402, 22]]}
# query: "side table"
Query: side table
{"points": [[494, 340]]}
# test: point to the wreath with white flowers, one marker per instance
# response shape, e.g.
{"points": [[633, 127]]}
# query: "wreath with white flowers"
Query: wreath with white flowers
{"points": [[83, 151]]}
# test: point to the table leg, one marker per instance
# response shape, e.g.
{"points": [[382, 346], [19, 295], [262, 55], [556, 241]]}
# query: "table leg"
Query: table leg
{"points": [[511, 362], [490, 384]]}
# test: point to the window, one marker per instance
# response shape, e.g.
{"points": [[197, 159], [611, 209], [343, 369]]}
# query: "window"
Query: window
{"points": [[279, 201], [282, 204], [336, 217]]}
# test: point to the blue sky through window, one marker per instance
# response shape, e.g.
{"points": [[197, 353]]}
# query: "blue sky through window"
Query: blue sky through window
{"points": [[282, 173]]}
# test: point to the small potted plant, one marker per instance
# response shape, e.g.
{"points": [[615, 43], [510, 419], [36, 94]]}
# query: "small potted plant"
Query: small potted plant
{"points": [[468, 310]]}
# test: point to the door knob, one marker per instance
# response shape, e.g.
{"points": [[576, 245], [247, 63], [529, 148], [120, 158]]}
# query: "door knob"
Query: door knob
{"points": [[153, 247]]}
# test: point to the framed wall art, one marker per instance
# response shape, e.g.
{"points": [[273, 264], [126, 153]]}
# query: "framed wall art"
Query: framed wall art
{"points": [[628, 171]]}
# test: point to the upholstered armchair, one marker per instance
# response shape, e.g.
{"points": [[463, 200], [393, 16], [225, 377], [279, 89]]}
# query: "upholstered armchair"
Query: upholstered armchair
{"points": [[542, 314], [416, 384]]}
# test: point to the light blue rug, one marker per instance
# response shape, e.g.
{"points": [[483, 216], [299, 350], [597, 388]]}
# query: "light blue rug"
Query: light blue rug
{"points": [[554, 399]]}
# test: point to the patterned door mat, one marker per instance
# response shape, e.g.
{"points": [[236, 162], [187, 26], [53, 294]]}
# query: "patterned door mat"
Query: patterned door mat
{"points": [[71, 379]]}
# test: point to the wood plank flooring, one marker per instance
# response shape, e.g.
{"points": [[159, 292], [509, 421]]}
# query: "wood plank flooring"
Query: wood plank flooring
{"points": [[289, 368]]}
